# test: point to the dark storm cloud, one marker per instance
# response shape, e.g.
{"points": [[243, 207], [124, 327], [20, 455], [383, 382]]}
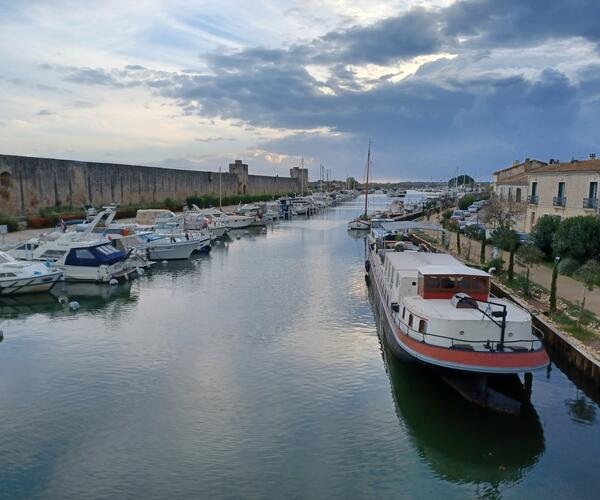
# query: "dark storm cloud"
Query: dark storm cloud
{"points": [[450, 112]]}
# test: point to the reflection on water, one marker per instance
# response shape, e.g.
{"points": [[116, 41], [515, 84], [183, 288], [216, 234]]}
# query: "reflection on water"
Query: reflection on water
{"points": [[256, 372], [459, 442], [90, 296]]}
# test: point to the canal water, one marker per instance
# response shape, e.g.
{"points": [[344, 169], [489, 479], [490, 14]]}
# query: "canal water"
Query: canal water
{"points": [[257, 372]]}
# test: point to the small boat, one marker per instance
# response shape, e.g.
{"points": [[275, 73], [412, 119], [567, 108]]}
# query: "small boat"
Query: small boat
{"points": [[80, 257], [19, 277], [231, 221], [164, 247], [363, 221]]}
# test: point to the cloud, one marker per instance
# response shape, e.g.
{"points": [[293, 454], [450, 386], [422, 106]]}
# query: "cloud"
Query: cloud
{"points": [[475, 83], [45, 112], [213, 139]]}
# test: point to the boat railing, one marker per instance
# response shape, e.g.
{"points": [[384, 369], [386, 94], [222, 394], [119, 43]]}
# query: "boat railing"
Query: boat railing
{"points": [[489, 344]]}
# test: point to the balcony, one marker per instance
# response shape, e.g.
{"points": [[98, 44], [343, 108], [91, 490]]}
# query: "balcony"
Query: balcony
{"points": [[559, 201], [532, 200], [590, 203]]}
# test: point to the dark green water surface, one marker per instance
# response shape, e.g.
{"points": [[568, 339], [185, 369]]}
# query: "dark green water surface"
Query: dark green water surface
{"points": [[257, 372]]}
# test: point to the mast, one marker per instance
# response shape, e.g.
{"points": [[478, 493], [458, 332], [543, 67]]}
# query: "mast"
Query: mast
{"points": [[219, 188], [367, 183], [302, 178]]}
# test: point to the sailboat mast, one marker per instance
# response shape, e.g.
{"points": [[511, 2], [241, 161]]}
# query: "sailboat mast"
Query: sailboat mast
{"points": [[367, 183], [302, 177]]}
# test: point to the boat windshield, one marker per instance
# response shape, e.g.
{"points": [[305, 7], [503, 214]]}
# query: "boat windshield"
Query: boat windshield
{"points": [[445, 286]]}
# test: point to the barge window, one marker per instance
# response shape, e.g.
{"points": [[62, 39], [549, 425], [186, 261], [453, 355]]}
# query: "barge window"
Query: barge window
{"points": [[410, 320], [403, 312], [422, 326]]}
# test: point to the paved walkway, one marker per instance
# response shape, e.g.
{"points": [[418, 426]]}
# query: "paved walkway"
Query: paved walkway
{"points": [[567, 288]]}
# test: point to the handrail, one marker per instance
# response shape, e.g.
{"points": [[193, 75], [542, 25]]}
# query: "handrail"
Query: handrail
{"points": [[489, 343]]}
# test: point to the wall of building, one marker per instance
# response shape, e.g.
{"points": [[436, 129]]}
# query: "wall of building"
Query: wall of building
{"points": [[577, 185], [28, 184]]}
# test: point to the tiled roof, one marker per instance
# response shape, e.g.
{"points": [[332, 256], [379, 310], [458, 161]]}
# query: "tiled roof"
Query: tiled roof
{"points": [[577, 166], [520, 178]]}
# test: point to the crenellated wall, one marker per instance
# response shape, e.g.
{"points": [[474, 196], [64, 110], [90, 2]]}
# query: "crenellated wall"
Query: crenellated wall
{"points": [[28, 184]]}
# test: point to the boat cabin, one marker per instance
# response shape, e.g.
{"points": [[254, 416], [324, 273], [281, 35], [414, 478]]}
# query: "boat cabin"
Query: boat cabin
{"points": [[443, 282], [94, 256]]}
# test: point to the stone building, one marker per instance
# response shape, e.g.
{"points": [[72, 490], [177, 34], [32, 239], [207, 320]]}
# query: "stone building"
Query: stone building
{"points": [[511, 182], [301, 176], [563, 189]]}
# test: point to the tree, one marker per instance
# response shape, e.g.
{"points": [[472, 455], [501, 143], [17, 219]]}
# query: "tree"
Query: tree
{"points": [[466, 201], [455, 226], [462, 179], [578, 238], [589, 273], [527, 255], [542, 234], [503, 212], [553, 285], [507, 239]]}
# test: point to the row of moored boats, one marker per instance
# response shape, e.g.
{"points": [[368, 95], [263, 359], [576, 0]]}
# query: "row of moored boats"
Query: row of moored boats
{"points": [[102, 250]]}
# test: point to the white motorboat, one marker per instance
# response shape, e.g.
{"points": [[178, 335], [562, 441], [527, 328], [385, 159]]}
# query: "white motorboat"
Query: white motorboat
{"points": [[164, 247], [232, 221], [19, 277], [359, 224], [194, 219], [80, 257]]}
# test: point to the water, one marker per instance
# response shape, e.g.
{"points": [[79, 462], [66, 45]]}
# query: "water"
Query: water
{"points": [[257, 371]]}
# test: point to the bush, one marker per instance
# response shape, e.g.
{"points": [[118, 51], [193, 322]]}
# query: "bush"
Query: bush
{"points": [[568, 266], [10, 222], [542, 234], [213, 201], [446, 214], [466, 201], [578, 238], [498, 263]]}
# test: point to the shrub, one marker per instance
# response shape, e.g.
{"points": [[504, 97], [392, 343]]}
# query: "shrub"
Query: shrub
{"points": [[466, 201], [9, 221], [497, 263], [578, 238], [542, 234], [568, 266]]}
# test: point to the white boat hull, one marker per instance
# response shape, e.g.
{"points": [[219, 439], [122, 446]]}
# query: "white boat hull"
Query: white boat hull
{"points": [[34, 284], [359, 224], [172, 250]]}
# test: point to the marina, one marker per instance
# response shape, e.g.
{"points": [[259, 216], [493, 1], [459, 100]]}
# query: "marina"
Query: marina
{"points": [[186, 382]]}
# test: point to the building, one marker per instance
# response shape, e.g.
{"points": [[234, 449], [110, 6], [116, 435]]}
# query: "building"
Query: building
{"points": [[562, 189], [301, 177], [511, 182]]}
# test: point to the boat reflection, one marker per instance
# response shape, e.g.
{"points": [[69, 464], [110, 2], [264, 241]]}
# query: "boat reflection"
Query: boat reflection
{"points": [[90, 296], [459, 442]]}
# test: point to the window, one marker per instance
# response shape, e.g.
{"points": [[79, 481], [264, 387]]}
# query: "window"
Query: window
{"points": [[593, 192], [518, 195], [52, 254], [534, 189], [561, 190], [403, 311], [410, 320], [82, 253], [532, 222], [422, 326]]}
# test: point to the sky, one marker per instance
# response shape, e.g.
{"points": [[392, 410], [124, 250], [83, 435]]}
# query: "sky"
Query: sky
{"points": [[437, 86]]}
